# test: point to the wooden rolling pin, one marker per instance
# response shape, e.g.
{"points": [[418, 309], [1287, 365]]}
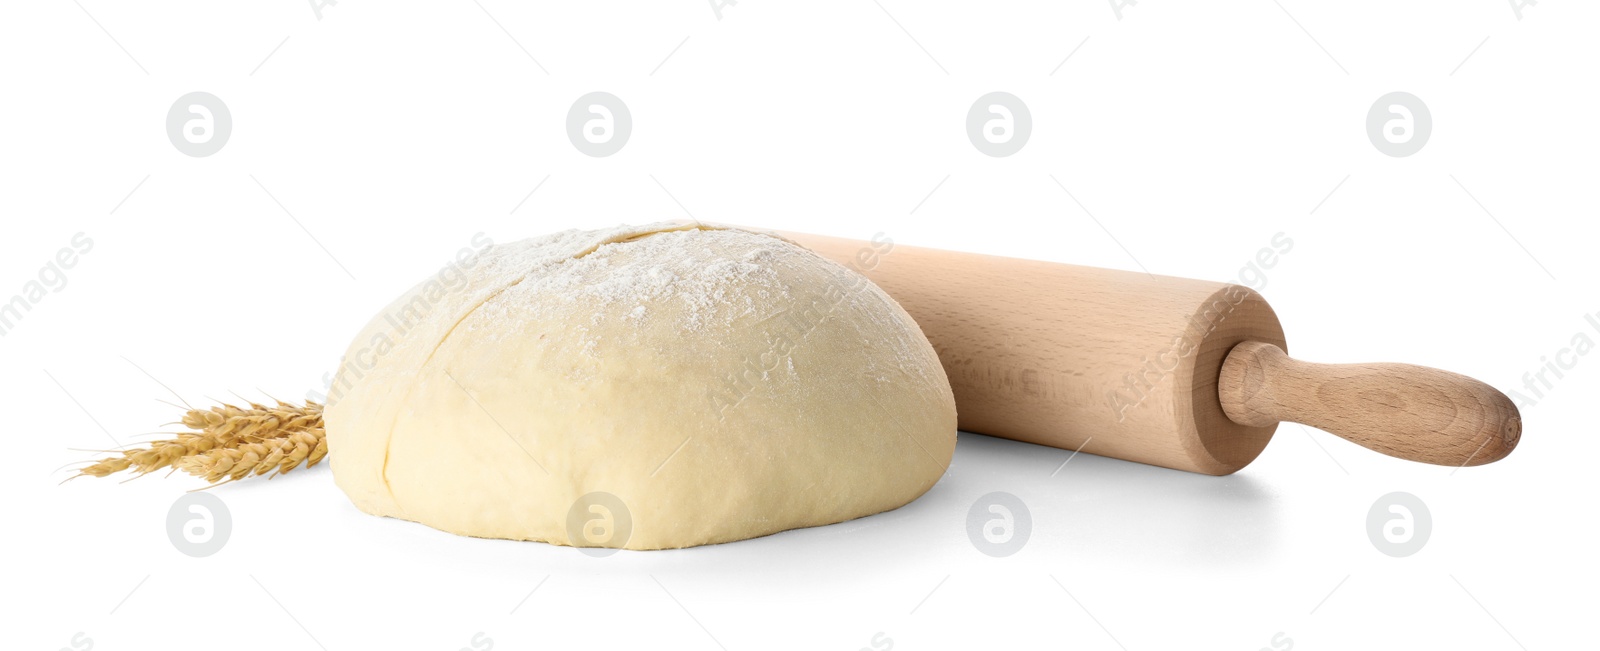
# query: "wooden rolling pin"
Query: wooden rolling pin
{"points": [[1186, 374]]}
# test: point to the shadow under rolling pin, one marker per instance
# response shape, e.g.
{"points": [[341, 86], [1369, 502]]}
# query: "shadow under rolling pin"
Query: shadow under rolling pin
{"points": [[1180, 373]]}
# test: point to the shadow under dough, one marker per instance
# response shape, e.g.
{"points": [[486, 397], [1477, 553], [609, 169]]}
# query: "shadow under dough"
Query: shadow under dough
{"points": [[1093, 508]]}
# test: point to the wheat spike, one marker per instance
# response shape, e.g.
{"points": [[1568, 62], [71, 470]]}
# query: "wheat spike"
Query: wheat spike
{"points": [[269, 457], [158, 455], [230, 442], [230, 424]]}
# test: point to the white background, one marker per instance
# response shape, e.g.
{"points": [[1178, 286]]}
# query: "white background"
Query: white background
{"points": [[392, 132]]}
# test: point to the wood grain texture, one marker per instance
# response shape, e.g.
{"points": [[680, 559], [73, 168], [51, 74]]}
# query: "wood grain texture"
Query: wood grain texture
{"points": [[1116, 363], [1411, 412]]}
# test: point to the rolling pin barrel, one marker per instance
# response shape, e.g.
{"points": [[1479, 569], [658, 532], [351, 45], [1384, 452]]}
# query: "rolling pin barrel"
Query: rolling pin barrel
{"points": [[1180, 373], [1115, 363]]}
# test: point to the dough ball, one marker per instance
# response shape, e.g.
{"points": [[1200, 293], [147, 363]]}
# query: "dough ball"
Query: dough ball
{"points": [[641, 387]]}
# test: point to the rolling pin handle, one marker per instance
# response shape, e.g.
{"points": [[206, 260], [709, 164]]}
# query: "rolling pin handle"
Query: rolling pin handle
{"points": [[1411, 412]]}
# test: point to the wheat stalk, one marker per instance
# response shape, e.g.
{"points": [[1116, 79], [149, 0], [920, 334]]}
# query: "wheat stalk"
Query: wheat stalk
{"points": [[224, 437]]}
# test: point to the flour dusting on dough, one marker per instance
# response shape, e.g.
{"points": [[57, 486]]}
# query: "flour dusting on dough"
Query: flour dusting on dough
{"points": [[634, 275]]}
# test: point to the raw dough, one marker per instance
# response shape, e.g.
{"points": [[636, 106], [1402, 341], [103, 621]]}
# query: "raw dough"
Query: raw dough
{"points": [[641, 387]]}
